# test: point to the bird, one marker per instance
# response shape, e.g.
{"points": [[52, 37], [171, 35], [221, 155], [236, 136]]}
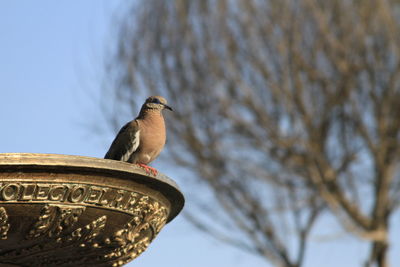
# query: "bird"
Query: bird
{"points": [[141, 140]]}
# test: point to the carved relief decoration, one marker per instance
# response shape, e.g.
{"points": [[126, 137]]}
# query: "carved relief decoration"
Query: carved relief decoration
{"points": [[72, 225], [137, 234], [54, 219], [4, 225]]}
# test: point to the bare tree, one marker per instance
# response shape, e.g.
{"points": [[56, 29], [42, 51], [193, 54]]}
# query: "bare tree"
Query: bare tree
{"points": [[284, 109]]}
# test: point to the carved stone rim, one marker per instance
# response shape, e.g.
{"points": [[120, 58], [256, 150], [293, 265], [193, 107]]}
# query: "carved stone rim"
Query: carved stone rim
{"points": [[59, 163]]}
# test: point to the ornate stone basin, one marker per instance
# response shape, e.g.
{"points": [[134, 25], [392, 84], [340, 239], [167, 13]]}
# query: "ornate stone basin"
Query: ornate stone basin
{"points": [[58, 210]]}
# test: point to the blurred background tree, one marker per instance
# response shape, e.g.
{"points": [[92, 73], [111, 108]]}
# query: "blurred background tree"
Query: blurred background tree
{"points": [[285, 110]]}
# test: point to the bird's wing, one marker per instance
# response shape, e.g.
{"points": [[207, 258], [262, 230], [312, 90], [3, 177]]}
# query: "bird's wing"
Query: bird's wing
{"points": [[125, 143]]}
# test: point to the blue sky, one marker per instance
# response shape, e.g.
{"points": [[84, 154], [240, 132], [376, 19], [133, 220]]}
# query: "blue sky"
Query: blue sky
{"points": [[51, 57]]}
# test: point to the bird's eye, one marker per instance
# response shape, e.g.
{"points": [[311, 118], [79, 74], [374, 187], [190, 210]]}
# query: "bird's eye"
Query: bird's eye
{"points": [[156, 101]]}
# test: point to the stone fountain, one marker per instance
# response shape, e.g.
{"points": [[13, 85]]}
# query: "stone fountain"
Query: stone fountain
{"points": [[58, 210]]}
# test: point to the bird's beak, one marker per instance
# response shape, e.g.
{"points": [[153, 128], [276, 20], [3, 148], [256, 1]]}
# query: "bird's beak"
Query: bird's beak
{"points": [[168, 107]]}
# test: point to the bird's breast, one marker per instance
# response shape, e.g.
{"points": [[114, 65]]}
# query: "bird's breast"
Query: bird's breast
{"points": [[152, 139]]}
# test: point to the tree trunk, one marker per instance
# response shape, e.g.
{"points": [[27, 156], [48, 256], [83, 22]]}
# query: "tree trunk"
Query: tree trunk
{"points": [[378, 256]]}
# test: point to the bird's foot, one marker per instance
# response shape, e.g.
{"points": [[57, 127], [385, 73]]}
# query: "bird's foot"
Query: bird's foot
{"points": [[148, 169]]}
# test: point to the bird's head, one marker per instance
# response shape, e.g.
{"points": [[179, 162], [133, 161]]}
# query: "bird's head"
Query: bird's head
{"points": [[157, 103]]}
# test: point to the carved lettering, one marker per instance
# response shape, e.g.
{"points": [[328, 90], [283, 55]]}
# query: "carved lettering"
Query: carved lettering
{"points": [[94, 195], [107, 197], [78, 194], [28, 191], [118, 198], [10, 192], [104, 200], [42, 192], [57, 193]]}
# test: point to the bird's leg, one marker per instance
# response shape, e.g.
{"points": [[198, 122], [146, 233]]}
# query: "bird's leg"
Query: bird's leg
{"points": [[148, 169]]}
